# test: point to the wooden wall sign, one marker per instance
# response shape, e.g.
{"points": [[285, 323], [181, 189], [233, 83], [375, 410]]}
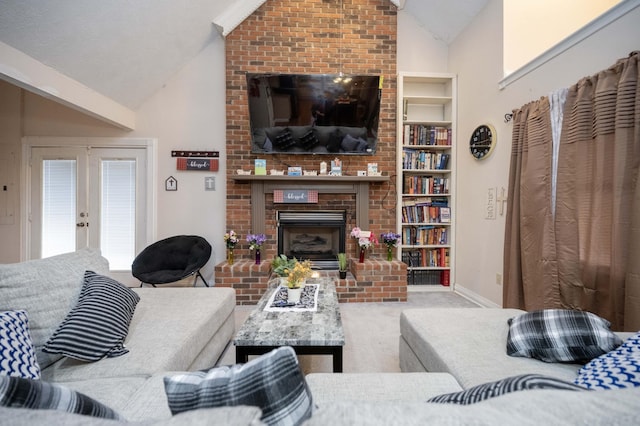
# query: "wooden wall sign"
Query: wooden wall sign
{"points": [[202, 164], [295, 196], [191, 154]]}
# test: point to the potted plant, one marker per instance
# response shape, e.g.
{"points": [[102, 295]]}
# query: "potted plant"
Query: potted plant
{"points": [[296, 279], [342, 265], [281, 265]]}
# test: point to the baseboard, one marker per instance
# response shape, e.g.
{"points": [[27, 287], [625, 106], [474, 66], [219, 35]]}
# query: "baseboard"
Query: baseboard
{"points": [[475, 297]]}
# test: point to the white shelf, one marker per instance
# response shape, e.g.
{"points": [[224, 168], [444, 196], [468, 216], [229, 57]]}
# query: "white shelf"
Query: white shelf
{"points": [[427, 100]]}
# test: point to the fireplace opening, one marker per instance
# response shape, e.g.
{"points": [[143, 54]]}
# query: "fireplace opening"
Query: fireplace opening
{"points": [[315, 235]]}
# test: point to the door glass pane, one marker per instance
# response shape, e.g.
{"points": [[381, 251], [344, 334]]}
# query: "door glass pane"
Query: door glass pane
{"points": [[58, 207], [118, 212]]}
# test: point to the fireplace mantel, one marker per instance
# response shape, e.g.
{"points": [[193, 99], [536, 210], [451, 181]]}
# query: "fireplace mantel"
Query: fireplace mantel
{"points": [[266, 184]]}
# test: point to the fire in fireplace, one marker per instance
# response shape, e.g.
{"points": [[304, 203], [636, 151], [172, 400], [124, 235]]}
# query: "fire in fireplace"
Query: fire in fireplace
{"points": [[315, 235]]}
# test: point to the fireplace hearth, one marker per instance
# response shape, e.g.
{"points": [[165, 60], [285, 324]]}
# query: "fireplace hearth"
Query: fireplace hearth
{"points": [[315, 235]]}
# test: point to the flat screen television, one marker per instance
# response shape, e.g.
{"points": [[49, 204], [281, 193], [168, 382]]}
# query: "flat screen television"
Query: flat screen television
{"points": [[314, 113]]}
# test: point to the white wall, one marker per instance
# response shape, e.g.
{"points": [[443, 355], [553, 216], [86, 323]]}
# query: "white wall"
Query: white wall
{"points": [[476, 56], [532, 27], [418, 50], [188, 113]]}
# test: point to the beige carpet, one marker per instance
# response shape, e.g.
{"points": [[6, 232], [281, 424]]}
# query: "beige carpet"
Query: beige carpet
{"points": [[371, 333]]}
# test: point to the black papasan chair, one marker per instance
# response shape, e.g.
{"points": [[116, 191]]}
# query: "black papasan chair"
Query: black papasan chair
{"points": [[172, 259]]}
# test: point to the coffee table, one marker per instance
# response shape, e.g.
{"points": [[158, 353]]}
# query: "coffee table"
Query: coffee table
{"points": [[316, 332]]}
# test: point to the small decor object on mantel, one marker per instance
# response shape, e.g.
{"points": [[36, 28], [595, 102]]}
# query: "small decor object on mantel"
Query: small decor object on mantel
{"points": [[390, 239], [231, 239], [255, 243], [342, 265], [366, 239]]}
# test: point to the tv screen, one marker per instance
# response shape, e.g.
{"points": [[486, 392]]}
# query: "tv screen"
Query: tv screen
{"points": [[314, 113]]}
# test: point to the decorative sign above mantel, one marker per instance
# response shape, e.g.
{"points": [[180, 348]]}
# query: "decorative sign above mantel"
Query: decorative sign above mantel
{"points": [[191, 154], [206, 164], [197, 160], [295, 196]]}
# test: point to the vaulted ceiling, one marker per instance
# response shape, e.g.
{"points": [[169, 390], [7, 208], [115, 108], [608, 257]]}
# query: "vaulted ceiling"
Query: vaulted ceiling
{"points": [[126, 50]]}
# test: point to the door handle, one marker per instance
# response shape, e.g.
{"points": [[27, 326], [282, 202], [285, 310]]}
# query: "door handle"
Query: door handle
{"points": [[80, 225]]}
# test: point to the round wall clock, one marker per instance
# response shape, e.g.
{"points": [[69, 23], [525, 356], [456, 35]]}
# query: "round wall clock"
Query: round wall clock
{"points": [[482, 142]]}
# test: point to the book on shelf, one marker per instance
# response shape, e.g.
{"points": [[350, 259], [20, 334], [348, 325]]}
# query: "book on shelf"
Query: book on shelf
{"points": [[427, 258], [424, 160], [425, 235], [445, 215], [424, 135]]}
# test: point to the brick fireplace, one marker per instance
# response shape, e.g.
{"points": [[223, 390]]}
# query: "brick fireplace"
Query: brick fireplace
{"points": [[315, 37]]}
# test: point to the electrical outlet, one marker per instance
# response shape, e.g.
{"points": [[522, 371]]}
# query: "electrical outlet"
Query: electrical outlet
{"points": [[499, 279]]}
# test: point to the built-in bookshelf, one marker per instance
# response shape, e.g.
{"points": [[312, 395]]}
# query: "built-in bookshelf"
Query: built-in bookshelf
{"points": [[426, 176]]}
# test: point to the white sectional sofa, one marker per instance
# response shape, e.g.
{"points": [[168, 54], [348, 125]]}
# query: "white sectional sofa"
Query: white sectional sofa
{"points": [[181, 329], [172, 329]]}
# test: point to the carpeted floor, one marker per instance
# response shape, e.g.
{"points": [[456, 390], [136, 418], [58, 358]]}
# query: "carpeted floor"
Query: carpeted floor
{"points": [[371, 332]]}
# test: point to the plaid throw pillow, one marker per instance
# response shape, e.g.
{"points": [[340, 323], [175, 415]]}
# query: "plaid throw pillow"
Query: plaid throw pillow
{"points": [[99, 322], [273, 382], [17, 392], [17, 354], [617, 369], [559, 335], [502, 387]]}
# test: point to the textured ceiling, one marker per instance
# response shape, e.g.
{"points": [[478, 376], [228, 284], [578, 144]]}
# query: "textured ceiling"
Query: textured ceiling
{"points": [[126, 50]]}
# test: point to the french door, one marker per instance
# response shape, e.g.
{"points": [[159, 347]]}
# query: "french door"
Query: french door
{"points": [[85, 196]]}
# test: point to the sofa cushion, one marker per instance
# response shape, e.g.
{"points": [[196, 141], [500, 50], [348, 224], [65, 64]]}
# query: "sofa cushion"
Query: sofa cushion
{"points": [[196, 323], [47, 289], [438, 340], [284, 140], [331, 387], [17, 355], [37, 394], [224, 416], [560, 335], [309, 140], [335, 140], [533, 407], [99, 322], [619, 368], [502, 387], [274, 382]]}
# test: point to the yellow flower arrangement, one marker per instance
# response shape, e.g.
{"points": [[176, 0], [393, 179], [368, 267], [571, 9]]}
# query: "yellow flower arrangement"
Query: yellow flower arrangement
{"points": [[299, 272]]}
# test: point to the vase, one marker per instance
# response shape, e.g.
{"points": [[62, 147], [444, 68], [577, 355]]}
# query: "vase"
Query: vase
{"points": [[390, 254], [293, 294], [362, 252], [343, 274], [257, 256], [230, 256]]}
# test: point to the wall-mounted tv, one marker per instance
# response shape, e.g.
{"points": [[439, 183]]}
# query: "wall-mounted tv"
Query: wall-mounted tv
{"points": [[314, 113]]}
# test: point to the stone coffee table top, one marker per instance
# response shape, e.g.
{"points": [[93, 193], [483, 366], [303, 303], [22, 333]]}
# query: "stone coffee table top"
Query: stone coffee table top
{"points": [[322, 327]]}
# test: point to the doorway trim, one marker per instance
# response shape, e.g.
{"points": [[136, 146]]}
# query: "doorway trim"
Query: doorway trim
{"points": [[29, 142]]}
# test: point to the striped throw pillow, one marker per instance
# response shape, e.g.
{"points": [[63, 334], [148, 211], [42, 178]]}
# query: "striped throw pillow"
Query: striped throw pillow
{"points": [[273, 382], [17, 354], [17, 392], [502, 387], [99, 322]]}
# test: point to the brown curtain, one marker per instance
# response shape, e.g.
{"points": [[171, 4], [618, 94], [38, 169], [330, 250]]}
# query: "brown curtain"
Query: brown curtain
{"points": [[597, 175], [530, 272], [588, 256]]}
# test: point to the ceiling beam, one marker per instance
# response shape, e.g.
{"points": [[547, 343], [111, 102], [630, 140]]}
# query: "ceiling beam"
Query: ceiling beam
{"points": [[235, 14], [29, 74]]}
